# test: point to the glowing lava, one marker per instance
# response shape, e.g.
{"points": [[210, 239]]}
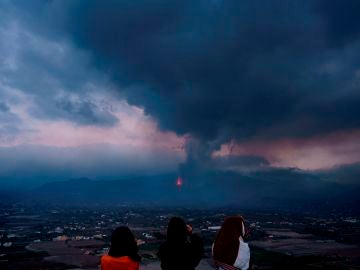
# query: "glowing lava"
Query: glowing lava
{"points": [[179, 182]]}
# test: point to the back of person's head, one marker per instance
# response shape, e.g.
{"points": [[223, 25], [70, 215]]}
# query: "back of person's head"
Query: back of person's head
{"points": [[177, 231], [227, 243], [123, 244]]}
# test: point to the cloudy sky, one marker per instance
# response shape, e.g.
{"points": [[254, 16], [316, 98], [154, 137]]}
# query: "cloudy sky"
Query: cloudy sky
{"points": [[111, 89]]}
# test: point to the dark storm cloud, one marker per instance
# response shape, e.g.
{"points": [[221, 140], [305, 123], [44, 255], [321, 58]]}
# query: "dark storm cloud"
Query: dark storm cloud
{"points": [[341, 19], [229, 69], [10, 124], [80, 110], [4, 107], [342, 174], [217, 70], [241, 163], [86, 112], [38, 61]]}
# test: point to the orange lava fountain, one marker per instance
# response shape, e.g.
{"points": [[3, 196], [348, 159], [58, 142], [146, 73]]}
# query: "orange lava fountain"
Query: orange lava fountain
{"points": [[179, 182]]}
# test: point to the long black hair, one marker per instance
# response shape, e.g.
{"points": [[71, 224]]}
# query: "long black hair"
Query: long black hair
{"points": [[177, 231], [123, 244]]}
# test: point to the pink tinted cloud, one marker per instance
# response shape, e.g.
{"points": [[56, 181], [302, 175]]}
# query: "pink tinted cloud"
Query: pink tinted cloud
{"points": [[131, 131], [141, 132], [318, 152], [134, 129]]}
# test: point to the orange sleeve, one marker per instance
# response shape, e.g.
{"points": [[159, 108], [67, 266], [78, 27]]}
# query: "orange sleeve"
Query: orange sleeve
{"points": [[122, 263]]}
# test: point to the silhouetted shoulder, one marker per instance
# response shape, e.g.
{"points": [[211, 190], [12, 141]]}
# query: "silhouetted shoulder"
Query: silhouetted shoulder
{"points": [[184, 256]]}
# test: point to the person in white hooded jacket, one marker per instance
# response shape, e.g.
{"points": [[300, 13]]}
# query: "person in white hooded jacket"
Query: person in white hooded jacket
{"points": [[230, 252]]}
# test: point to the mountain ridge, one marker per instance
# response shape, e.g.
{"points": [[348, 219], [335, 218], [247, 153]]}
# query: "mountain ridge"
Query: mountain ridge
{"points": [[274, 189]]}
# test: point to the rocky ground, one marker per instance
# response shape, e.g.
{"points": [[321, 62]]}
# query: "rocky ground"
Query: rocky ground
{"points": [[204, 265]]}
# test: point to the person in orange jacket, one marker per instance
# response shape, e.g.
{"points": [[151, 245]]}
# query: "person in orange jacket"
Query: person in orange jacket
{"points": [[123, 252]]}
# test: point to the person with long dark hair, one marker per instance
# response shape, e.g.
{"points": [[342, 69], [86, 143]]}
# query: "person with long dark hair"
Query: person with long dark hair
{"points": [[182, 250], [123, 252], [230, 252]]}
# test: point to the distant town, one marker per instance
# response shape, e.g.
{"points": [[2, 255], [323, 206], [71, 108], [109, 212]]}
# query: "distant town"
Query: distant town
{"points": [[54, 237]]}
